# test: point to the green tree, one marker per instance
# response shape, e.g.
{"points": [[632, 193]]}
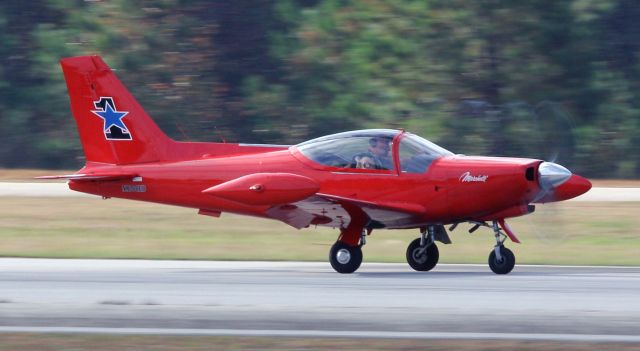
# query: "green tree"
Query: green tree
{"points": [[546, 79]]}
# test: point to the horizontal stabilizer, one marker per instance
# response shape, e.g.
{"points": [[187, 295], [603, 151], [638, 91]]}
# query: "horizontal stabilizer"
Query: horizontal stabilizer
{"points": [[92, 177]]}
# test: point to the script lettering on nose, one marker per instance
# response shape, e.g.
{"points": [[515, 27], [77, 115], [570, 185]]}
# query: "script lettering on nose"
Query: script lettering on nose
{"points": [[467, 177]]}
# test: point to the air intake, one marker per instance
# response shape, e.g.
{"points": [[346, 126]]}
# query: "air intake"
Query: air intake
{"points": [[530, 174]]}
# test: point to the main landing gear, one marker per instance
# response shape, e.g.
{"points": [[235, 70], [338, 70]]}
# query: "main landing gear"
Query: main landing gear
{"points": [[422, 253], [345, 255], [345, 258]]}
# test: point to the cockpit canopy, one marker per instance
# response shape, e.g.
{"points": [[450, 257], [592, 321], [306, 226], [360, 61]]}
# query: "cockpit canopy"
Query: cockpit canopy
{"points": [[372, 149]]}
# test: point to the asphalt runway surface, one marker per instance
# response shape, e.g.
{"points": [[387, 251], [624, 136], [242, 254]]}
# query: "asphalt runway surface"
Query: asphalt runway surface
{"points": [[310, 299]]}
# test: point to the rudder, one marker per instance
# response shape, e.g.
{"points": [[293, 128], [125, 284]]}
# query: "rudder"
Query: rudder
{"points": [[113, 127]]}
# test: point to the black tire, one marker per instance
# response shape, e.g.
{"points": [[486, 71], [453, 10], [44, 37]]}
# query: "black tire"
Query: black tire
{"points": [[422, 260], [505, 265], [345, 258]]}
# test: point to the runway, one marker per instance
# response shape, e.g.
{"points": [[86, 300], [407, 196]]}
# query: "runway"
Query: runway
{"points": [[294, 298]]}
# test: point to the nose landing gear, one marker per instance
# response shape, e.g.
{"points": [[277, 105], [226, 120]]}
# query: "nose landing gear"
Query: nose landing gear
{"points": [[501, 259]]}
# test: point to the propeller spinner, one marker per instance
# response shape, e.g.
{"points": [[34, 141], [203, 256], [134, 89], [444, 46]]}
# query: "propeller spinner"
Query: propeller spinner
{"points": [[558, 183]]}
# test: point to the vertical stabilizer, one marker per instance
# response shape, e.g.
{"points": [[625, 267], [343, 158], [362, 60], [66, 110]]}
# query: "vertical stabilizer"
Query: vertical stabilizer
{"points": [[112, 125]]}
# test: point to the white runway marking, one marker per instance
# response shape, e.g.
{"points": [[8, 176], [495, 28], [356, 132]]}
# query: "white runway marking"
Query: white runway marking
{"points": [[39, 190], [610, 194]]}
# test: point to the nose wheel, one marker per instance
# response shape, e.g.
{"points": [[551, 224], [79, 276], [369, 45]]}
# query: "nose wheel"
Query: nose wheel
{"points": [[345, 258], [501, 260]]}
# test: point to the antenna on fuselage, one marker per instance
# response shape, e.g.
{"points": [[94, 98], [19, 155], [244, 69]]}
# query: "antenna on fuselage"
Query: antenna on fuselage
{"points": [[224, 140]]}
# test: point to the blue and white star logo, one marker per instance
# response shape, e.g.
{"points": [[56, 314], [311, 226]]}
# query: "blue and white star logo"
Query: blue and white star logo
{"points": [[114, 127]]}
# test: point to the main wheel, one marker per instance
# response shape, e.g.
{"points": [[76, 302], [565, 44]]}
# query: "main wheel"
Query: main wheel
{"points": [[421, 258], [505, 265], [345, 258]]}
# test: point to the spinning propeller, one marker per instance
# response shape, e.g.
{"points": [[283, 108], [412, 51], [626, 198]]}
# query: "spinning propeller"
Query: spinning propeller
{"points": [[556, 183]]}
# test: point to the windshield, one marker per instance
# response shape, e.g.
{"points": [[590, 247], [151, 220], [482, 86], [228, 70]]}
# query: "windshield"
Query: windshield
{"points": [[363, 149], [417, 154]]}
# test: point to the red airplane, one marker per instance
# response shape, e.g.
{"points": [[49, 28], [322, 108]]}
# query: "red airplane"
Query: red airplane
{"points": [[356, 181]]}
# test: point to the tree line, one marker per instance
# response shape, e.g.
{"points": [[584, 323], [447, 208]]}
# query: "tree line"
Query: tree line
{"points": [[556, 80]]}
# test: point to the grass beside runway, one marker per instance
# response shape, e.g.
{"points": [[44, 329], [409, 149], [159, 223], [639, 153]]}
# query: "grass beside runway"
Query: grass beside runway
{"points": [[52, 342], [573, 233]]}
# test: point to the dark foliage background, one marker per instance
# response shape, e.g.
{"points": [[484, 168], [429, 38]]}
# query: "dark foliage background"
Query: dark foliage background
{"points": [[545, 79]]}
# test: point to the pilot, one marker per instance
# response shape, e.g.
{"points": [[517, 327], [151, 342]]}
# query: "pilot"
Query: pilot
{"points": [[379, 148], [364, 161]]}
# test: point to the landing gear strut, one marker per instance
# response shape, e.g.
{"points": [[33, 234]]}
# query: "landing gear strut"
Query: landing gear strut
{"points": [[501, 259], [345, 255], [422, 253]]}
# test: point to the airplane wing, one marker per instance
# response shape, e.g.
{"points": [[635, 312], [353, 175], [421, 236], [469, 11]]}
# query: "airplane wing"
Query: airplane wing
{"points": [[295, 200], [333, 211], [92, 177]]}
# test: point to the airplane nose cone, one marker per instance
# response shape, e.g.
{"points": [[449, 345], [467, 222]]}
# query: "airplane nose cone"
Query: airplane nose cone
{"points": [[558, 183], [552, 175], [575, 186]]}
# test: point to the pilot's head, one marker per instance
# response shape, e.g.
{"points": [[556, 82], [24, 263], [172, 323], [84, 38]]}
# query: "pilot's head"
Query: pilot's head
{"points": [[379, 147]]}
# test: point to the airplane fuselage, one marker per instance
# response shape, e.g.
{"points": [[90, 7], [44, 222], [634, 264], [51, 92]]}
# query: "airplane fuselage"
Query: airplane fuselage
{"points": [[456, 188]]}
